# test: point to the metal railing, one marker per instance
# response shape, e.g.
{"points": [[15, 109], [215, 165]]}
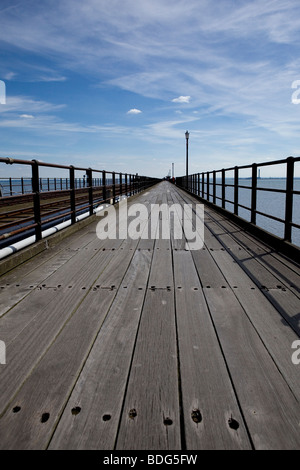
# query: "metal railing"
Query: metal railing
{"points": [[51, 200], [216, 188], [16, 186]]}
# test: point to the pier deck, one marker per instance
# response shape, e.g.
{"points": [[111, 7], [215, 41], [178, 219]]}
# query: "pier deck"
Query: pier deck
{"points": [[141, 344]]}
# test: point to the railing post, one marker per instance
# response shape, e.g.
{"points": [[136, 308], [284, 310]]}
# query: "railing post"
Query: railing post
{"points": [[223, 189], [104, 185], [72, 195], [202, 185], [126, 188], [254, 193], [90, 188], [214, 186], [198, 184], [120, 184], [36, 199], [236, 190], [289, 199], [22, 184], [114, 187], [207, 186]]}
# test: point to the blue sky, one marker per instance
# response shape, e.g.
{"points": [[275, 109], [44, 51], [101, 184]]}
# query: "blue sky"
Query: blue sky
{"points": [[114, 84]]}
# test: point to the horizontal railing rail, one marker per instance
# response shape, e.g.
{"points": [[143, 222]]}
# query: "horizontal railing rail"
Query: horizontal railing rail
{"points": [[34, 203], [234, 193]]}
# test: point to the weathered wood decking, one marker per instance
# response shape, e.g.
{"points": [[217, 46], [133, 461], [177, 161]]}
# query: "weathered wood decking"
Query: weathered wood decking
{"points": [[140, 344]]}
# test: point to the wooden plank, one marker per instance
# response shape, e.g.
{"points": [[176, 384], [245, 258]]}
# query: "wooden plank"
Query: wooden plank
{"points": [[146, 242], [161, 277], [152, 389], [287, 304], [243, 285], [50, 271], [14, 290], [232, 271], [28, 310], [99, 391], [283, 270], [25, 269], [211, 242], [275, 332], [27, 323], [287, 277], [256, 272], [41, 399], [269, 407], [209, 402], [46, 320], [176, 218], [273, 329], [208, 270], [224, 237], [150, 419]]}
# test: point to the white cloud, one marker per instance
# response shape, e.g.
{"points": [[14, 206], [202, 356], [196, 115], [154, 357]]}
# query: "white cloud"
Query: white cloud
{"points": [[26, 116], [24, 103], [9, 76], [51, 79], [181, 99], [134, 111]]}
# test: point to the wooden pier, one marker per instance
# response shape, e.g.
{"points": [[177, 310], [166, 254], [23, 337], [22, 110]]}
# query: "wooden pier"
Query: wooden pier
{"points": [[141, 344]]}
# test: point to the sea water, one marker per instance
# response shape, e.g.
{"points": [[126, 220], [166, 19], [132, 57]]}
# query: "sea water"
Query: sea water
{"points": [[268, 202]]}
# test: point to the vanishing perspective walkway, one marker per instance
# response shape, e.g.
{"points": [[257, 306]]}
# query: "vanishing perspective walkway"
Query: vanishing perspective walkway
{"points": [[143, 344]]}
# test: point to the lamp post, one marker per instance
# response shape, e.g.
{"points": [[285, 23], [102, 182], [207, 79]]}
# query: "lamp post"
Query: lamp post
{"points": [[187, 158]]}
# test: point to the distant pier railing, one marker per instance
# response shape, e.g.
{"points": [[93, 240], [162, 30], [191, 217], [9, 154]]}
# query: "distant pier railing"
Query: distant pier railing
{"points": [[29, 205], [241, 194], [16, 186]]}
